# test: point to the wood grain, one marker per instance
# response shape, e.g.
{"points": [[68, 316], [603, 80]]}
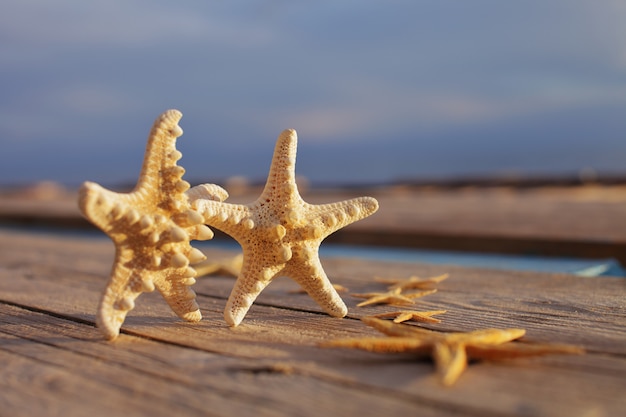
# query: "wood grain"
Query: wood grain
{"points": [[582, 221], [54, 361]]}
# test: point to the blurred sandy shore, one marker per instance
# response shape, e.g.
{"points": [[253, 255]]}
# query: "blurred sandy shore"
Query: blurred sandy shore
{"points": [[586, 213]]}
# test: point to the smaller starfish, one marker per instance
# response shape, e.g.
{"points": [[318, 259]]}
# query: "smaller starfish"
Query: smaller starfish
{"points": [[450, 351], [406, 315], [151, 228], [230, 266], [411, 282], [393, 297]]}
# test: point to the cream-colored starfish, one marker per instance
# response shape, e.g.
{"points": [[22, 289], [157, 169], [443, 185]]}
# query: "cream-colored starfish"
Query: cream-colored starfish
{"points": [[393, 297], [406, 315], [411, 282], [450, 351], [280, 234], [151, 228], [230, 266]]}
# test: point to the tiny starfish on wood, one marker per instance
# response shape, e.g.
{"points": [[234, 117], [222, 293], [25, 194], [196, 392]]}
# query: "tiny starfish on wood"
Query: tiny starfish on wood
{"points": [[406, 315], [450, 351], [151, 228], [230, 266], [393, 297], [411, 282], [280, 234], [337, 287]]}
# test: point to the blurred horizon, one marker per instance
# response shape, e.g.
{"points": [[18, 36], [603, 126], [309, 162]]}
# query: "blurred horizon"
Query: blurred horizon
{"points": [[377, 91]]}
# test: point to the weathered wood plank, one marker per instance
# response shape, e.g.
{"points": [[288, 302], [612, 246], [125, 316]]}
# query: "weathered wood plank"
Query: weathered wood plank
{"points": [[547, 305], [50, 359], [58, 282], [586, 221], [399, 379]]}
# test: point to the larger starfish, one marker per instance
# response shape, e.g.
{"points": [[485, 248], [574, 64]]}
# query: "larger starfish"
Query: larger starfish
{"points": [[450, 351], [151, 228], [280, 234]]}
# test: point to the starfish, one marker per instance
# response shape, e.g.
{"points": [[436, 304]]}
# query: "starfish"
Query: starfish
{"points": [[406, 315], [393, 297], [450, 351], [230, 266], [411, 282], [151, 228], [280, 235]]}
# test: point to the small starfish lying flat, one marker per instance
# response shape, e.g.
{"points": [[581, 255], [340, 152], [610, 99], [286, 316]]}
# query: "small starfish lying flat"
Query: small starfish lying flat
{"points": [[230, 266], [393, 297], [337, 287], [411, 282], [151, 228], [280, 234], [406, 315], [450, 351]]}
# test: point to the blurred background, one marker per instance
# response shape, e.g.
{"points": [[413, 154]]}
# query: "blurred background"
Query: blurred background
{"points": [[379, 91]]}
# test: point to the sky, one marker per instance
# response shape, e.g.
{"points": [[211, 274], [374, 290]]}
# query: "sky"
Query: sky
{"points": [[378, 91]]}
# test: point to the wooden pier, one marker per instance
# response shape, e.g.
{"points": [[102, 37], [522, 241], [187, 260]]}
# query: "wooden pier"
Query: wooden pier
{"points": [[54, 361]]}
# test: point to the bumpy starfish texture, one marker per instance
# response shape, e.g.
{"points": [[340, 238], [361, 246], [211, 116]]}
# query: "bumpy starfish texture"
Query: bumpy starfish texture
{"points": [[411, 282], [393, 297], [280, 234], [151, 228], [450, 351], [406, 315]]}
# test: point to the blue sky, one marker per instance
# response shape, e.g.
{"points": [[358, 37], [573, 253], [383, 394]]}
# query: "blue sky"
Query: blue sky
{"points": [[377, 90]]}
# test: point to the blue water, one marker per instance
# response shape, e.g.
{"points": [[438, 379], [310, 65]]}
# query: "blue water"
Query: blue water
{"points": [[575, 266]]}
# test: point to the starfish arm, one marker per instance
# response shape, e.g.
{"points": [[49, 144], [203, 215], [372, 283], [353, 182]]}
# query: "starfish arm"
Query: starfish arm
{"points": [[235, 220], [101, 206], [400, 330], [518, 350], [175, 289], [486, 336], [118, 299], [161, 156], [450, 361], [420, 294], [390, 281], [418, 283], [383, 345], [210, 192], [312, 278], [406, 315], [397, 300], [281, 180], [393, 297], [402, 317], [252, 280], [334, 216]]}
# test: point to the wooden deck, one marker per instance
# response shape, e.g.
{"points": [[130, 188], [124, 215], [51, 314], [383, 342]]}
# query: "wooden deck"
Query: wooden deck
{"points": [[588, 221], [54, 361]]}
